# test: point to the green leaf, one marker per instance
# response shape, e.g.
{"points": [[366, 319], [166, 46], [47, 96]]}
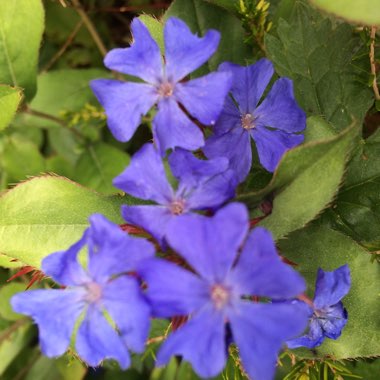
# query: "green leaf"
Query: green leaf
{"points": [[6, 293], [12, 341], [356, 211], [323, 61], [329, 249], [48, 214], [16, 152], [7, 262], [318, 129], [62, 90], [201, 17], [230, 5], [57, 369], [21, 27], [98, 165], [156, 29], [10, 99], [365, 12], [304, 182]]}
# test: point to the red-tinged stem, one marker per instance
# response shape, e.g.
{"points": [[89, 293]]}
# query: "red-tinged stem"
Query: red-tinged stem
{"points": [[255, 221], [131, 229], [306, 299], [177, 322], [21, 272]]}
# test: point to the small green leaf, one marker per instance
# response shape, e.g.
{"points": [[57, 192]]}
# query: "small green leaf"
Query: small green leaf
{"points": [[98, 165], [10, 99], [156, 29], [57, 369], [21, 27], [6, 293], [363, 12], [48, 214], [19, 336], [15, 154], [320, 247]]}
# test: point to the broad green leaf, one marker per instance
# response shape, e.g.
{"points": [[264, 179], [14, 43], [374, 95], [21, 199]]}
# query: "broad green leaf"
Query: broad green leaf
{"points": [[230, 5], [48, 214], [156, 29], [62, 90], [312, 189], [365, 12], [10, 99], [19, 336], [318, 129], [21, 27], [7, 291], [326, 63], [201, 16], [356, 210], [368, 369], [7, 262], [58, 165], [319, 247], [15, 154], [98, 165], [57, 369]]}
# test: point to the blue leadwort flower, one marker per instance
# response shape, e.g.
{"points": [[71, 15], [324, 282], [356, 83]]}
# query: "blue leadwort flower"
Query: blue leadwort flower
{"points": [[202, 185], [328, 316], [217, 297], [102, 286], [126, 102], [272, 124]]}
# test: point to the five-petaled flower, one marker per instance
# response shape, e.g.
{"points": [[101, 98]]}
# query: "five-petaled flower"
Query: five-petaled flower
{"points": [[201, 185], [218, 297], [126, 102], [103, 286], [272, 124], [327, 316]]}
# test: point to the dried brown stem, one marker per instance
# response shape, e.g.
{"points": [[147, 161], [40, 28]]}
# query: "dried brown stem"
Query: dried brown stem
{"points": [[47, 116], [132, 8], [373, 62], [90, 26], [63, 48]]}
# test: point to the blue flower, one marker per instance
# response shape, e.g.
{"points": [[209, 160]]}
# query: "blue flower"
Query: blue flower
{"points": [[328, 316], [272, 124], [103, 286], [202, 185], [126, 102], [230, 268]]}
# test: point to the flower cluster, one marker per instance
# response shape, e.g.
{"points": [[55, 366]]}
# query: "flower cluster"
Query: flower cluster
{"points": [[231, 286]]}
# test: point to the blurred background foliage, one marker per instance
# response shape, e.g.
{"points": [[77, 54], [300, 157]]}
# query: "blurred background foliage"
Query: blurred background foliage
{"points": [[60, 128]]}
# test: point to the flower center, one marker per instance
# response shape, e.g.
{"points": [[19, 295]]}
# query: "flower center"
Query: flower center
{"points": [[220, 295], [165, 89], [177, 207], [247, 121], [94, 292]]}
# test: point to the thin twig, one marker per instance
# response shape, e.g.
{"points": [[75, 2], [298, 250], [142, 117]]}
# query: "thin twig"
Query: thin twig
{"points": [[373, 62], [133, 8], [67, 43], [47, 116], [12, 328], [90, 26]]}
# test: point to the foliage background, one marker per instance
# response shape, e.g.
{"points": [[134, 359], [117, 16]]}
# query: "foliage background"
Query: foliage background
{"points": [[326, 208]]}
